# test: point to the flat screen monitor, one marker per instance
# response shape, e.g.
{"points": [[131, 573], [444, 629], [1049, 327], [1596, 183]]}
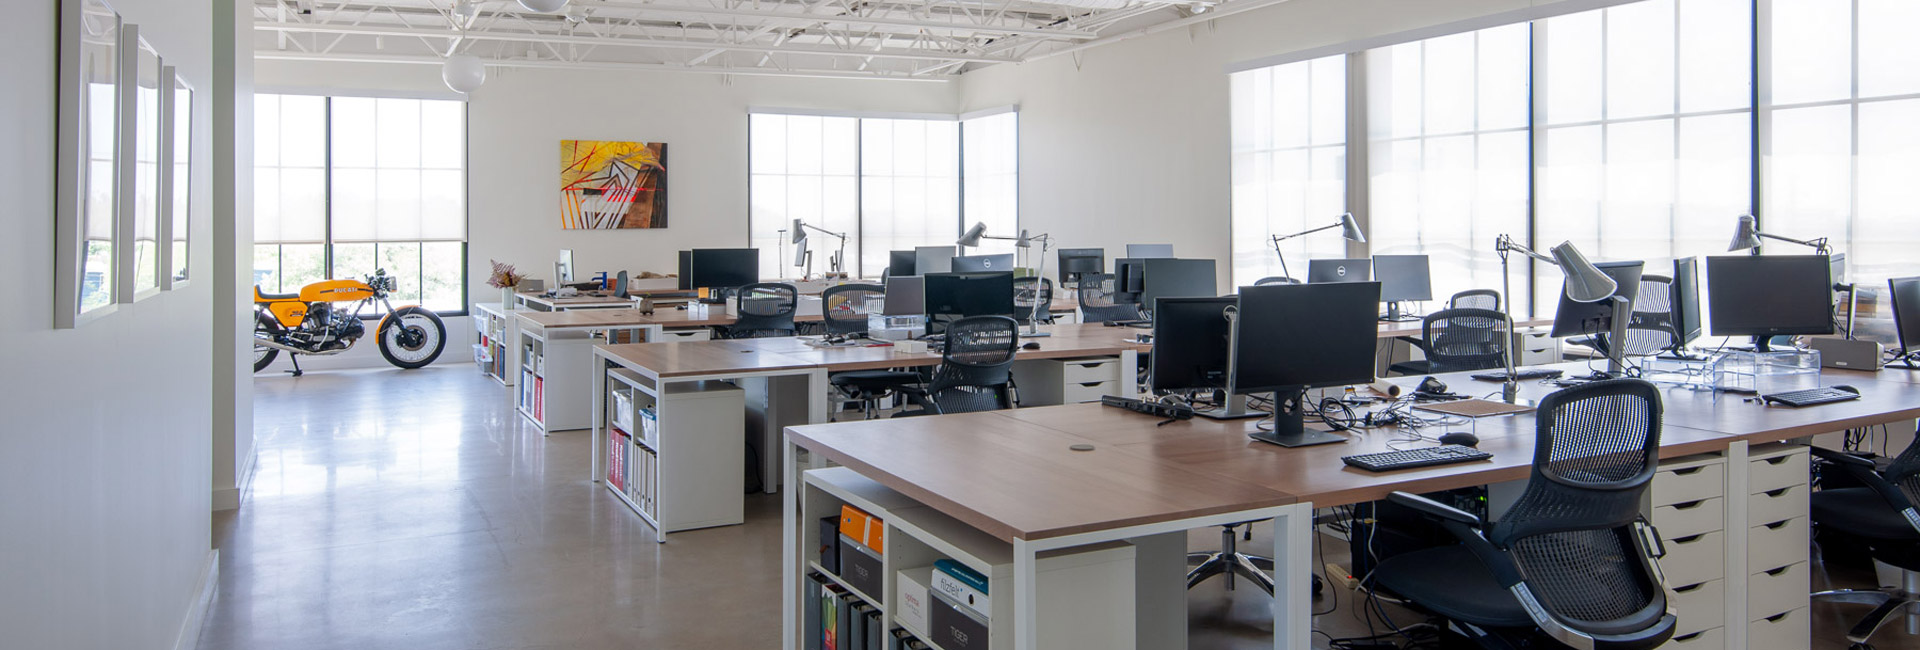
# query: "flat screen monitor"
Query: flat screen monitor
{"points": [[983, 263], [1339, 270], [1291, 337], [1769, 295], [686, 271], [1402, 277], [1146, 251], [1686, 299], [932, 259], [901, 263], [1905, 293], [953, 296], [1129, 279], [725, 267], [1075, 262], [906, 296], [563, 270], [1593, 318], [1191, 339], [1176, 278]]}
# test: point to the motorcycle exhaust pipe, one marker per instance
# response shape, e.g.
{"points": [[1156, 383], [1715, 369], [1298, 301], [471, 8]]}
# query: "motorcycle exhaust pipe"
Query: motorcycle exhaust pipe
{"points": [[288, 348]]}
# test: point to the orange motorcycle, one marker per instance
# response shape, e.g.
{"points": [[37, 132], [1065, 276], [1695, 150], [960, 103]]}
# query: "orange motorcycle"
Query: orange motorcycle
{"points": [[309, 323]]}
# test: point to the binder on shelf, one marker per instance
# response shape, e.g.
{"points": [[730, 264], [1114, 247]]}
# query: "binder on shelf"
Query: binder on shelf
{"points": [[830, 543], [962, 585], [864, 528], [857, 617], [860, 567], [876, 631], [811, 630], [843, 623], [955, 627]]}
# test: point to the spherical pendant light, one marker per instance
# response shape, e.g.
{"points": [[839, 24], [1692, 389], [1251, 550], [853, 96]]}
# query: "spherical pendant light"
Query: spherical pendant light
{"points": [[464, 73]]}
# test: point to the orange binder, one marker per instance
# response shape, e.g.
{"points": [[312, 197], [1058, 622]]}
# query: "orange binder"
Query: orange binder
{"points": [[862, 527]]}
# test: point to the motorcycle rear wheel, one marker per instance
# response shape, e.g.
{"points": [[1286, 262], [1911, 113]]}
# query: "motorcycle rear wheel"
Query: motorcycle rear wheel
{"points": [[411, 338], [266, 327]]}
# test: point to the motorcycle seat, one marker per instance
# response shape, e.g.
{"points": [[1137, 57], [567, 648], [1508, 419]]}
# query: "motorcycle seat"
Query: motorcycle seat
{"points": [[273, 297]]}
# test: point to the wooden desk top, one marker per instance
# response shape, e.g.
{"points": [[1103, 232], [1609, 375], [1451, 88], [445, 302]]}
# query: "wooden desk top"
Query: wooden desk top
{"points": [[582, 300], [687, 358], [1015, 480], [667, 317]]}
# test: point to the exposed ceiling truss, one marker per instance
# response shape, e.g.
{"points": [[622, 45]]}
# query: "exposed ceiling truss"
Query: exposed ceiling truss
{"points": [[931, 40]]}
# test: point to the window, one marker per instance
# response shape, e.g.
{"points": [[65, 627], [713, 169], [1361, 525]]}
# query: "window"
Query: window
{"points": [[1845, 132], [1289, 164], [992, 171], [1448, 152], [347, 185], [887, 183]]}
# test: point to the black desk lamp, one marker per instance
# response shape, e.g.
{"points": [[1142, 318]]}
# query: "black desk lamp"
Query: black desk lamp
{"points": [[1348, 229]]}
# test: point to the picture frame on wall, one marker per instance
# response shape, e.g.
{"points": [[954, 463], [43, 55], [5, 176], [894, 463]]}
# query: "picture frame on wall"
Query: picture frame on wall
{"points": [[87, 161], [176, 179], [139, 192]]}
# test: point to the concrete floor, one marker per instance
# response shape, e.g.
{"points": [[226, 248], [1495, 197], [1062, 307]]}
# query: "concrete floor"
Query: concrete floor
{"points": [[415, 510]]}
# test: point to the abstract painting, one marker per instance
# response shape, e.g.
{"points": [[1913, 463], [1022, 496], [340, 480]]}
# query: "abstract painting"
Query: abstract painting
{"points": [[612, 185]]}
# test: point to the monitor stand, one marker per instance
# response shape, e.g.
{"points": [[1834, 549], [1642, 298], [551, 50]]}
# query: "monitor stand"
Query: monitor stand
{"points": [[1289, 424], [1234, 408], [1397, 314]]}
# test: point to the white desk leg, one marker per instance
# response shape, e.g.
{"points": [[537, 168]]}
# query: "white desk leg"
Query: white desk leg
{"points": [[790, 578], [1130, 374], [1160, 591], [1737, 528], [1292, 584], [599, 431], [653, 333], [1026, 596]]}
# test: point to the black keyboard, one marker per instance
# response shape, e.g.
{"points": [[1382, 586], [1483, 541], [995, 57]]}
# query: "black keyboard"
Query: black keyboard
{"points": [[1387, 461], [1156, 409], [1811, 396], [1523, 374]]}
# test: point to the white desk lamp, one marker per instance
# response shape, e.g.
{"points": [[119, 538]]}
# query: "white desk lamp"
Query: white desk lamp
{"points": [[1349, 229], [1585, 283], [979, 231]]}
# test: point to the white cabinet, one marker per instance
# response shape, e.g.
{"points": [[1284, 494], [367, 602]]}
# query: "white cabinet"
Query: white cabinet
{"points": [[694, 425], [1049, 382], [1687, 501]]}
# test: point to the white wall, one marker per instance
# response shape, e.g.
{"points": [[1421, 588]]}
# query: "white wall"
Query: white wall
{"points": [[516, 121], [105, 454], [1128, 142]]}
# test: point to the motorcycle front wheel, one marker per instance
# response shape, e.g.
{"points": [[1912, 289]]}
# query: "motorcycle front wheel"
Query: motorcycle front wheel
{"points": [[411, 338], [268, 329]]}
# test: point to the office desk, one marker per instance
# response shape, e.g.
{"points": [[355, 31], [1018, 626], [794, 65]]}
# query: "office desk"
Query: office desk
{"points": [[537, 302], [1699, 428]]}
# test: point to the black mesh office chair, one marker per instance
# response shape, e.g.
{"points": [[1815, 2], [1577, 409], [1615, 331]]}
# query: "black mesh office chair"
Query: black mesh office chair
{"points": [[975, 372], [1275, 279], [1475, 299], [1027, 292], [765, 310], [1882, 515], [845, 310], [1096, 300], [1459, 339], [1572, 559], [1651, 329]]}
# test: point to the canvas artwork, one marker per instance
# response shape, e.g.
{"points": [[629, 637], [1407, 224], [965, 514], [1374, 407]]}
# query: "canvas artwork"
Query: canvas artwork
{"points": [[612, 185]]}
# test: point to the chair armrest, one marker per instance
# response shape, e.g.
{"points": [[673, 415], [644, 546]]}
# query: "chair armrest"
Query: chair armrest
{"points": [[1841, 457], [1435, 509], [1868, 474]]}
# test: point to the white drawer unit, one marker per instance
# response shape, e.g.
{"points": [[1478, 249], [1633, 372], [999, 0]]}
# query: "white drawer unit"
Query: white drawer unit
{"points": [[1777, 544], [1778, 505], [1714, 639], [1695, 559], [1048, 382], [1536, 347], [1699, 606], [1786, 631], [698, 334], [1769, 593], [1689, 481], [1690, 518], [1777, 466]]}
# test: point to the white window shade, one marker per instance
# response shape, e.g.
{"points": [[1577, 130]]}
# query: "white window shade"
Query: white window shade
{"points": [[909, 186], [1288, 164], [803, 167], [992, 179], [397, 170], [289, 173]]}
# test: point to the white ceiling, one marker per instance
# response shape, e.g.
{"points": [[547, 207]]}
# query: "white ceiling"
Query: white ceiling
{"points": [[897, 39]]}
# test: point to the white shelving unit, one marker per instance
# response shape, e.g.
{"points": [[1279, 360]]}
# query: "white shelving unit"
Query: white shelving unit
{"points": [[656, 470], [494, 352], [1082, 591]]}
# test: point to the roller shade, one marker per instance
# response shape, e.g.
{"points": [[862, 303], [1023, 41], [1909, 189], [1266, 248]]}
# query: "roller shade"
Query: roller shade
{"points": [[397, 170]]}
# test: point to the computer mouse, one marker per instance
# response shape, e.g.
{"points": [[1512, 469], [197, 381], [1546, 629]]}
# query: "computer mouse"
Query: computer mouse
{"points": [[1030, 345], [681, 307], [1460, 438], [1845, 387]]}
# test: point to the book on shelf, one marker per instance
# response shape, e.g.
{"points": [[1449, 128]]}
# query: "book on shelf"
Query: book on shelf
{"points": [[962, 585]]}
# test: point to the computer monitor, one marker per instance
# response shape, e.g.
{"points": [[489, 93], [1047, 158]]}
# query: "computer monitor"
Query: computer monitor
{"points": [[1288, 338], [901, 263], [1905, 294], [1594, 318], [686, 271], [1191, 340], [983, 263], [1769, 295], [1129, 280], [1075, 262], [1176, 278], [953, 296], [906, 296], [1146, 251], [1339, 270], [1685, 296], [563, 269], [932, 259], [1402, 278], [725, 268]]}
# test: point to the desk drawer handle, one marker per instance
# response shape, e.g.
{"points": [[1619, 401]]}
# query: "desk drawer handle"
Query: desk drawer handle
{"points": [[1688, 505], [1775, 494], [1775, 572], [1688, 637], [1777, 459], [1776, 617], [1687, 471], [1688, 588], [1091, 384], [1688, 539], [1778, 524]]}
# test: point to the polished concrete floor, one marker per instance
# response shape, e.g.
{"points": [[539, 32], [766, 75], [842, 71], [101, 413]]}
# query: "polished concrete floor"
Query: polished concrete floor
{"points": [[415, 510]]}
